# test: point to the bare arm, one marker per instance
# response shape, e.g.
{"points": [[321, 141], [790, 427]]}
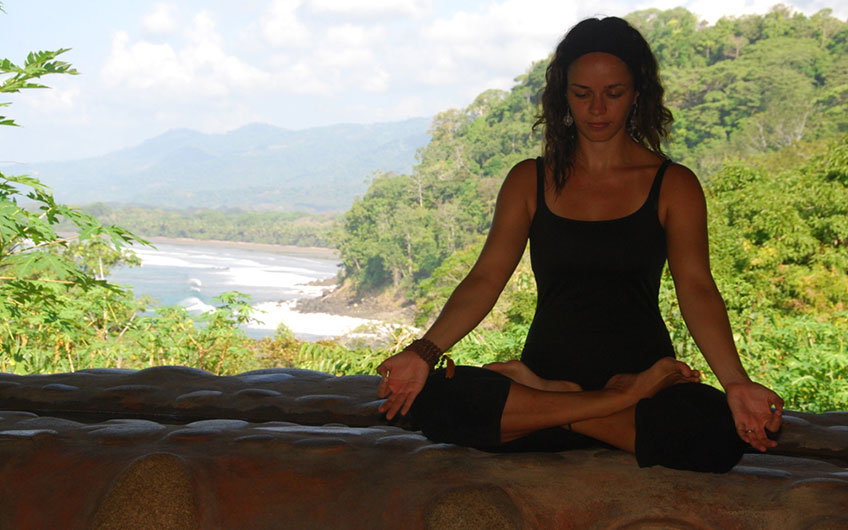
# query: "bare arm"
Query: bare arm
{"points": [[475, 296], [404, 374], [684, 215]]}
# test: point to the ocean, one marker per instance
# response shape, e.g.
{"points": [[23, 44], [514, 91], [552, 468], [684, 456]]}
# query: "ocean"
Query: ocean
{"points": [[191, 274]]}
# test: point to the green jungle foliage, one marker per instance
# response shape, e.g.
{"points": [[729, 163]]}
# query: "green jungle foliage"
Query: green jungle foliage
{"points": [[278, 228], [777, 191]]}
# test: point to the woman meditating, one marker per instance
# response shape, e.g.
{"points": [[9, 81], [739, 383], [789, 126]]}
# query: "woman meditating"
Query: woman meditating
{"points": [[603, 210]]}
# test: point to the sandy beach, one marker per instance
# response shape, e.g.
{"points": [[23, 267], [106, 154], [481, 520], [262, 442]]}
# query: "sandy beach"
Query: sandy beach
{"points": [[272, 314], [319, 252]]}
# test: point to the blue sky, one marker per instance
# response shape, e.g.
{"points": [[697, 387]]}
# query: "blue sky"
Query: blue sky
{"points": [[150, 66]]}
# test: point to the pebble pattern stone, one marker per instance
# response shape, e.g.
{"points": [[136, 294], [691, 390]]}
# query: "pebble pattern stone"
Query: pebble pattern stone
{"points": [[181, 448]]}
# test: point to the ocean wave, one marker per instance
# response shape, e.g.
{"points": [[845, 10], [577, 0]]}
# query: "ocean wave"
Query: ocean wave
{"points": [[272, 314], [194, 304]]}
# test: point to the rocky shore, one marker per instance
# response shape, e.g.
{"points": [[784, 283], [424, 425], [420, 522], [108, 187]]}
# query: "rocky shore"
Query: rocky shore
{"points": [[175, 447], [343, 300]]}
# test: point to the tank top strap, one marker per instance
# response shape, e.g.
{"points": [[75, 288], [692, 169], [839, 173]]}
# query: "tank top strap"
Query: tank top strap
{"points": [[654, 194], [540, 183]]}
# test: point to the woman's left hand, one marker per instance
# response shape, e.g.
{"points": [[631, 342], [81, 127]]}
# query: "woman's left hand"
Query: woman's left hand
{"points": [[751, 404]]}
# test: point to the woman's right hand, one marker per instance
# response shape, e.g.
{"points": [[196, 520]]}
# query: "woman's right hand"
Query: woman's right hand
{"points": [[404, 375]]}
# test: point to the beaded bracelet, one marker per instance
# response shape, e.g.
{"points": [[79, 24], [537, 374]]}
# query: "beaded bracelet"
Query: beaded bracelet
{"points": [[428, 351], [432, 355]]}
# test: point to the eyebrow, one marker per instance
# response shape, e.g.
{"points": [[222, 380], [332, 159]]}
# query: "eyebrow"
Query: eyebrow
{"points": [[614, 85]]}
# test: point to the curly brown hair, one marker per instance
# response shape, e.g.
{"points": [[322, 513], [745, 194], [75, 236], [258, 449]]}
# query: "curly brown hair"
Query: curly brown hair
{"points": [[650, 121]]}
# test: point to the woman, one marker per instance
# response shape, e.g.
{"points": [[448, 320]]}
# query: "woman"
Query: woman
{"points": [[603, 210]]}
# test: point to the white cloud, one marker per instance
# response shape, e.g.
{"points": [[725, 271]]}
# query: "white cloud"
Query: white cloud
{"points": [[304, 78], [201, 67], [344, 58], [371, 7], [409, 106], [354, 35], [488, 47], [280, 25], [163, 19], [375, 80], [54, 100], [143, 65]]}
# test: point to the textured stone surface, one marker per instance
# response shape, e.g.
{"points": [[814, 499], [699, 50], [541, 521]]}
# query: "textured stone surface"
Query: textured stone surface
{"points": [[174, 447]]}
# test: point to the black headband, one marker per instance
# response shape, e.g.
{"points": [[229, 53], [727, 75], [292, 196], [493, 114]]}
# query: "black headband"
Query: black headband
{"points": [[610, 35]]}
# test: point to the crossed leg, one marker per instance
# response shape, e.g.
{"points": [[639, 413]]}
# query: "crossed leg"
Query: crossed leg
{"points": [[607, 415]]}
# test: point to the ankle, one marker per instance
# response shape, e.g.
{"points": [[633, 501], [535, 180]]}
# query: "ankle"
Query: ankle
{"points": [[623, 396]]}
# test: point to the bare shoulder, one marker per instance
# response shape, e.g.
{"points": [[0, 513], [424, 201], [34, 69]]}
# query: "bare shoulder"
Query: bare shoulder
{"points": [[522, 175], [681, 192], [680, 183], [519, 187]]}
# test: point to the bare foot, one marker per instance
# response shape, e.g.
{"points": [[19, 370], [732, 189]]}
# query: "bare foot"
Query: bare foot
{"points": [[518, 372], [664, 373]]}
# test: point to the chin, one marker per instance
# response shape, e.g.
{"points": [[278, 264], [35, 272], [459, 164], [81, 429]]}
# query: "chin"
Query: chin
{"points": [[602, 135]]}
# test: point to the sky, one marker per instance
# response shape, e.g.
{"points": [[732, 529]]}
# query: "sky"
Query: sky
{"points": [[146, 67]]}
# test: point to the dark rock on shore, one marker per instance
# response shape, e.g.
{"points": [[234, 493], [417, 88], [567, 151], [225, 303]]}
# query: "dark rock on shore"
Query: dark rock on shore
{"points": [[343, 300], [174, 447]]}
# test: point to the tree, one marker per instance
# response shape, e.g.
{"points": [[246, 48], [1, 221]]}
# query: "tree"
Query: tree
{"points": [[39, 269]]}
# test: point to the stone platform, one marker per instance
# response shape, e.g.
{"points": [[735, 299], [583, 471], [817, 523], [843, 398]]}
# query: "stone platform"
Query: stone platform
{"points": [[174, 447]]}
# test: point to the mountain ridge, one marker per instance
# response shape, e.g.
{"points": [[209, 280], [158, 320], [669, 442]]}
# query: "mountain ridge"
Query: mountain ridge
{"points": [[256, 166]]}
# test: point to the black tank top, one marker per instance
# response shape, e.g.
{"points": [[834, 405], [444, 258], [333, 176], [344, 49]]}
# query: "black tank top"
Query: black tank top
{"points": [[598, 286]]}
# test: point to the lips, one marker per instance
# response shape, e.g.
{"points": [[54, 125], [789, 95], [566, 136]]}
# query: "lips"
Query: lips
{"points": [[598, 126]]}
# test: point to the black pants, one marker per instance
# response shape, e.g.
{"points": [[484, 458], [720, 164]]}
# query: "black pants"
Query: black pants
{"points": [[685, 426]]}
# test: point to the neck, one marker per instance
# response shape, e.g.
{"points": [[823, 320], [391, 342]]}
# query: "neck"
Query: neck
{"points": [[618, 151]]}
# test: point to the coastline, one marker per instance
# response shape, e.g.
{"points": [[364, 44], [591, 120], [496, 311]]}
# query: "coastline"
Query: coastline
{"points": [[325, 308], [321, 252]]}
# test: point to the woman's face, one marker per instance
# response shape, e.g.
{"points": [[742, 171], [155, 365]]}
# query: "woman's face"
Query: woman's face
{"points": [[600, 95]]}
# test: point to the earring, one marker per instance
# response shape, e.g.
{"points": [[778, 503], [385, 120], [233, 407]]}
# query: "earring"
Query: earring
{"points": [[567, 120], [631, 125]]}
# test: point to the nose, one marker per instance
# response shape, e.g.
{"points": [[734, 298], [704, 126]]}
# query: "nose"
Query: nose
{"points": [[598, 106]]}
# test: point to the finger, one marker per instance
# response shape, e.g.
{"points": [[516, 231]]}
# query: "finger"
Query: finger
{"points": [[750, 439], [383, 369], [774, 421], [763, 445], [395, 402], [388, 395], [757, 439], [408, 403], [384, 406], [747, 435], [775, 418], [383, 388]]}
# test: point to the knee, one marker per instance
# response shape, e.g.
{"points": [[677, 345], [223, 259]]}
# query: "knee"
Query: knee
{"points": [[465, 410], [690, 427]]}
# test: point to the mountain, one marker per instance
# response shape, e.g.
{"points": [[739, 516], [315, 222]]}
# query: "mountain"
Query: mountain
{"points": [[256, 167]]}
